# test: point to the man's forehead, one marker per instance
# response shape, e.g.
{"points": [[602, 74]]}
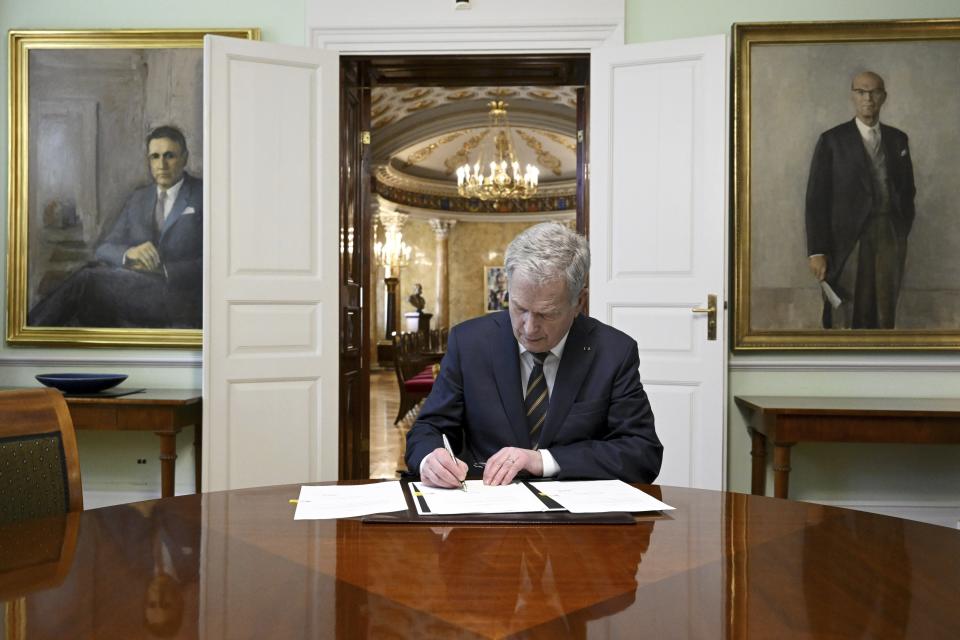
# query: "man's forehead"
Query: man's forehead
{"points": [[867, 81], [163, 143]]}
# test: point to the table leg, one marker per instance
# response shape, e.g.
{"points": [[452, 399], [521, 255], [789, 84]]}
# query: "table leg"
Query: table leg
{"points": [[168, 456], [758, 453], [781, 468]]}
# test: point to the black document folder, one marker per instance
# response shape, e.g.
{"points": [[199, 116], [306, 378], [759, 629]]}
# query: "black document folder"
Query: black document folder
{"points": [[410, 516]]}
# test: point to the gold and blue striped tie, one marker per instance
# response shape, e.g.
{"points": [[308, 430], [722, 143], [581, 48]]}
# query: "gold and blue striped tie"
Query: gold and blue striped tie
{"points": [[537, 399]]}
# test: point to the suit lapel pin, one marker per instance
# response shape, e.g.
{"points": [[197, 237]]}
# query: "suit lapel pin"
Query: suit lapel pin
{"points": [[586, 348]]}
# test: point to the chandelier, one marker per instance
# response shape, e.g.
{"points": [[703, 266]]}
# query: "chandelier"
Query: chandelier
{"points": [[503, 180]]}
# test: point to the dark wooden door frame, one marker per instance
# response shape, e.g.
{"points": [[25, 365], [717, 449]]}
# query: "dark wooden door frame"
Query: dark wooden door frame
{"points": [[358, 75]]}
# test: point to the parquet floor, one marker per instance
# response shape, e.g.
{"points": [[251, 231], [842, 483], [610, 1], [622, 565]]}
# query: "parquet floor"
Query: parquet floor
{"points": [[386, 439]]}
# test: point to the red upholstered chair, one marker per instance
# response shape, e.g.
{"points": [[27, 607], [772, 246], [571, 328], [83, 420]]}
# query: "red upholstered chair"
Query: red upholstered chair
{"points": [[415, 374], [39, 463]]}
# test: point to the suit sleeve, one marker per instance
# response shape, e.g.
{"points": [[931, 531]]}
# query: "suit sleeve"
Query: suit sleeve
{"points": [[819, 196], [628, 447], [116, 243], [442, 412]]}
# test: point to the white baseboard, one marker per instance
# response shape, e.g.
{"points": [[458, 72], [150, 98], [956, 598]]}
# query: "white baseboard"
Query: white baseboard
{"points": [[945, 515]]}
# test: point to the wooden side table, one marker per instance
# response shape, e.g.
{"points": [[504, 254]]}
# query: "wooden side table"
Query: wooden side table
{"points": [[164, 411], [787, 420]]}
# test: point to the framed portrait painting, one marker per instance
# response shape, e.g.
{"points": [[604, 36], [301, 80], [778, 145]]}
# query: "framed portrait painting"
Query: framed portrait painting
{"points": [[845, 185], [105, 209], [495, 288]]}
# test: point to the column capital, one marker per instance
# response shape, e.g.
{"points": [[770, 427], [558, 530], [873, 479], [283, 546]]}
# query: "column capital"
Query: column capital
{"points": [[442, 227]]}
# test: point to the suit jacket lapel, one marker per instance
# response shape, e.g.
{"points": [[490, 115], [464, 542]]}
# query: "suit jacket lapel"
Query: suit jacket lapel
{"points": [[578, 355], [863, 158], [178, 205], [505, 360]]}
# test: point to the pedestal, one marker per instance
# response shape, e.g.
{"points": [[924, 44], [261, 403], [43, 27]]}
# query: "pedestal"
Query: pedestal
{"points": [[416, 321]]}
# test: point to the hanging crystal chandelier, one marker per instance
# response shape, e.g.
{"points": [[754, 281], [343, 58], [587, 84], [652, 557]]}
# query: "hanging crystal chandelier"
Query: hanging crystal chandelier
{"points": [[503, 180]]}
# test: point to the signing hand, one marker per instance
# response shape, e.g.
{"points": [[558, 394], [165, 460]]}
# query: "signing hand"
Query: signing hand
{"points": [[143, 257], [504, 465], [818, 266], [439, 470]]}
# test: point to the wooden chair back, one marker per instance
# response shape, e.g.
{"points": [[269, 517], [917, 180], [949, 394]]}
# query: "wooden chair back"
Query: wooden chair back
{"points": [[39, 462]]}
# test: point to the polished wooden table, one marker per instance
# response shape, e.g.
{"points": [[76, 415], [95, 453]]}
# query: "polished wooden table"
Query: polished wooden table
{"points": [[165, 412], [787, 420], [722, 565]]}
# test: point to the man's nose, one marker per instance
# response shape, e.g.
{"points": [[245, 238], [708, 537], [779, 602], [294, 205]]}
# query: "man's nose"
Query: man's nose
{"points": [[530, 323]]}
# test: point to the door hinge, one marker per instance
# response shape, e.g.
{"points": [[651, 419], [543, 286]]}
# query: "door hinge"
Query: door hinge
{"points": [[365, 137]]}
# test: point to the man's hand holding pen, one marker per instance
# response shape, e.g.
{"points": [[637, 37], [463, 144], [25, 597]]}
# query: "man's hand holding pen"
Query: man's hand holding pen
{"points": [[439, 469]]}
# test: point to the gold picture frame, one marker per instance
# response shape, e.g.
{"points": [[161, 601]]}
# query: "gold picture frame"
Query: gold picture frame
{"points": [[81, 105], [794, 84]]}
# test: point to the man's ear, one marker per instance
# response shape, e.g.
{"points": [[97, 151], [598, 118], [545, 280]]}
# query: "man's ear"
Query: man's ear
{"points": [[582, 299]]}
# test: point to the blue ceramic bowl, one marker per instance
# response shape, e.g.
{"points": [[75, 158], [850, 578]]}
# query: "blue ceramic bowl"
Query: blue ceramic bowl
{"points": [[81, 382]]}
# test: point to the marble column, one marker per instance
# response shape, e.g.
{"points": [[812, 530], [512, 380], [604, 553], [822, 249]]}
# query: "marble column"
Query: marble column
{"points": [[441, 229]]}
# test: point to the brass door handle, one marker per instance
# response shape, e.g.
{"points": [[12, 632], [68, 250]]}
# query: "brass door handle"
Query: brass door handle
{"points": [[711, 311]]}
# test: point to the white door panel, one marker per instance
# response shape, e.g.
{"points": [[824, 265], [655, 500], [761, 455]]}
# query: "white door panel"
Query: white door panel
{"points": [[271, 291], [658, 234]]}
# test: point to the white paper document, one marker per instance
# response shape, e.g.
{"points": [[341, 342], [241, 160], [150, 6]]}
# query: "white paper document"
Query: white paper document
{"points": [[478, 498], [599, 496], [831, 295], [346, 501]]}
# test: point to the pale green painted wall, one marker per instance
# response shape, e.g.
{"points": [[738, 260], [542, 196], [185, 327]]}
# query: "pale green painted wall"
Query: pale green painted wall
{"points": [[888, 474]]}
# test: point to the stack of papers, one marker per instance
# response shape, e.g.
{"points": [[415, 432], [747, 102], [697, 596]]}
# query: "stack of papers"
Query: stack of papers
{"points": [[347, 501], [584, 496]]}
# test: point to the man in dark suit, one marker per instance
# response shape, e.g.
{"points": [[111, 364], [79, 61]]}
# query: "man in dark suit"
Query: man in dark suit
{"points": [[859, 210], [540, 388], [150, 265]]}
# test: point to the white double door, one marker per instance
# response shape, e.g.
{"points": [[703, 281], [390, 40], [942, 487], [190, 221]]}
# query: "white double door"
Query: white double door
{"points": [[657, 181]]}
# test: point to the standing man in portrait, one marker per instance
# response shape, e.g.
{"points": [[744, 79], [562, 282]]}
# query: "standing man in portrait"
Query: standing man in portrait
{"points": [[149, 272], [859, 210]]}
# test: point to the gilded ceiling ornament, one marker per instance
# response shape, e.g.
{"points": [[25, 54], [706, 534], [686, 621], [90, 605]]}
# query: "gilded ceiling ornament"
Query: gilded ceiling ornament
{"points": [[465, 94], [377, 97], [423, 104], [384, 121], [462, 156], [501, 92], [414, 94], [570, 146], [379, 110], [543, 94], [422, 154], [544, 157]]}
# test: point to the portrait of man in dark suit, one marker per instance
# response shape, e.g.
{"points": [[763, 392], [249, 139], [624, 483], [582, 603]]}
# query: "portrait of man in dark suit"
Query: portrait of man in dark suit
{"points": [[859, 212], [149, 266], [539, 389]]}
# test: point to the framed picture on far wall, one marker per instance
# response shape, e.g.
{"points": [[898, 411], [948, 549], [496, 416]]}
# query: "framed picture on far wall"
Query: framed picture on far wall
{"points": [[845, 173], [495, 286], [105, 241]]}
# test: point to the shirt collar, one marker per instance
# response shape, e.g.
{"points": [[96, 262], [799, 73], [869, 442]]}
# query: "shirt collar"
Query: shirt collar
{"points": [[557, 350], [865, 129], [172, 191]]}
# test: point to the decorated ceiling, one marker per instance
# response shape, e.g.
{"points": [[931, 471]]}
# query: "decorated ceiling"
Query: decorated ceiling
{"points": [[420, 135]]}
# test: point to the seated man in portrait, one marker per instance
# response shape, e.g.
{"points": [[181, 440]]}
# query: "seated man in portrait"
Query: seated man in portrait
{"points": [[149, 272], [539, 388]]}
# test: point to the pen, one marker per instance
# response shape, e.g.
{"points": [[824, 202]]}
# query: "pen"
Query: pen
{"points": [[446, 445]]}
